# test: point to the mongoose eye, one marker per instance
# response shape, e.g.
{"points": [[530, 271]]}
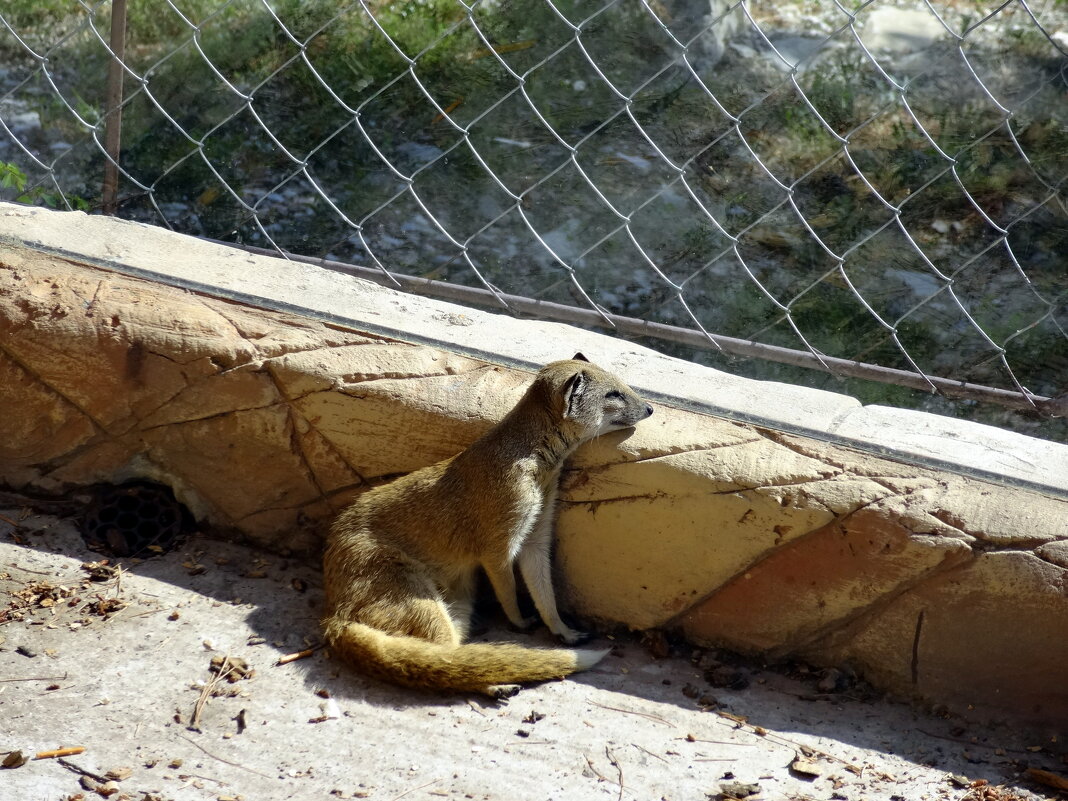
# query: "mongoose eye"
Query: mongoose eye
{"points": [[615, 393]]}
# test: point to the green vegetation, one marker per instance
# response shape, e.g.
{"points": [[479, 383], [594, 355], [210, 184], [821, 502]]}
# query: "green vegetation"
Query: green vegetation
{"points": [[12, 178], [265, 113]]}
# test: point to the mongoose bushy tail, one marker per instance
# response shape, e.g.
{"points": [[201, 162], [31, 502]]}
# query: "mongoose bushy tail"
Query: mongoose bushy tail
{"points": [[415, 662]]}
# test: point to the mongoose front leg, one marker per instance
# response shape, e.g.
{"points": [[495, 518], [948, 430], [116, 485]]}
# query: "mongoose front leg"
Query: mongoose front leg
{"points": [[536, 568]]}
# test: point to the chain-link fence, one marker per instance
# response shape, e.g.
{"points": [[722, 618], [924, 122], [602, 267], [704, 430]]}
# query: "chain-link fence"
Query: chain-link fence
{"points": [[876, 190]]}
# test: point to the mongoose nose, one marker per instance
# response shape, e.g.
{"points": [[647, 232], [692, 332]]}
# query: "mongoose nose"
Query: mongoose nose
{"points": [[648, 410]]}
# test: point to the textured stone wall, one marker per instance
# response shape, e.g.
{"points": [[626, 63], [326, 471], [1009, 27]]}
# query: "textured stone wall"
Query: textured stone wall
{"points": [[264, 423]]}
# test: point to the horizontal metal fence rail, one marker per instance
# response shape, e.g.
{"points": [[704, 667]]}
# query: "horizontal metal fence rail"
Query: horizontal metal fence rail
{"points": [[630, 326]]}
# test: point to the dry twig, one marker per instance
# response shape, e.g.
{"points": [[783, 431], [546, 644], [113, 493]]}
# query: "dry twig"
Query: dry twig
{"points": [[80, 770], [38, 678], [206, 692], [60, 752], [596, 772], [285, 660], [691, 739], [413, 789], [619, 769], [224, 761], [634, 712], [650, 753], [474, 706]]}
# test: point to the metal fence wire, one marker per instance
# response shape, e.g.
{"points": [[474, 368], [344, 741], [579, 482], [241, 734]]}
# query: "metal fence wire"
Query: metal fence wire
{"points": [[873, 189]]}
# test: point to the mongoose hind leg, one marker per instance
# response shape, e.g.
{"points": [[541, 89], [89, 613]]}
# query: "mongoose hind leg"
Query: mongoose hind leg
{"points": [[425, 618], [420, 612], [460, 600], [502, 692]]}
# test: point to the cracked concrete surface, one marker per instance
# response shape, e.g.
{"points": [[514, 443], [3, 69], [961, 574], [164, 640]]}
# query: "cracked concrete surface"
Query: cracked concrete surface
{"points": [[122, 680], [265, 424]]}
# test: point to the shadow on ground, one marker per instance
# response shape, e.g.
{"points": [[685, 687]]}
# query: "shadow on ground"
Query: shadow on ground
{"points": [[636, 725]]}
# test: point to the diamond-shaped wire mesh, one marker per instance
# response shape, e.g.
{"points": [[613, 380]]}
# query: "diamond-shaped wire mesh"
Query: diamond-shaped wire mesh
{"points": [[873, 189]]}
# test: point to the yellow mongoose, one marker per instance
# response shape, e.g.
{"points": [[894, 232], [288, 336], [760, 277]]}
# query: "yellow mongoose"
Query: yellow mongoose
{"points": [[400, 563]]}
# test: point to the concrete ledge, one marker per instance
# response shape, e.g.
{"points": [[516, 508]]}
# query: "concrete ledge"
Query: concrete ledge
{"points": [[759, 537], [148, 252]]}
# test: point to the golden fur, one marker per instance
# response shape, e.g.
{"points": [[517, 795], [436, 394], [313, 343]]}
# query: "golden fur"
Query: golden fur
{"points": [[401, 562]]}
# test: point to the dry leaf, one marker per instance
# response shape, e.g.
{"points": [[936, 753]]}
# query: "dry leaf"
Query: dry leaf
{"points": [[805, 768], [14, 759], [1054, 780], [738, 789], [330, 711], [236, 668], [99, 571]]}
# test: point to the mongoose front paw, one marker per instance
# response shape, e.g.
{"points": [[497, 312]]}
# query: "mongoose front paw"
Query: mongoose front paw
{"points": [[572, 637], [525, 624]]}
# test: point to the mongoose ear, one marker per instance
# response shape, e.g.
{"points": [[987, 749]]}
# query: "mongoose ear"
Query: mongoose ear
{"points": [[578, 357], [574, 387]]}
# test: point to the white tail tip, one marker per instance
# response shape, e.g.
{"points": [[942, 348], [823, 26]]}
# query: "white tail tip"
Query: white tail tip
{"points": [[586, 658]]}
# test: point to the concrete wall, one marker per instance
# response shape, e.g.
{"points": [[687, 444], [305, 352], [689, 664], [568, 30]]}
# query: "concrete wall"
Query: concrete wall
{"points": [[779, 537]]}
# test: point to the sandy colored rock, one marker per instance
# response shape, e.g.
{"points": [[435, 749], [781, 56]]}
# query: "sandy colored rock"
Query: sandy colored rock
{"points": [[329, 470], [46, 426], [678, 525], [239, 463], [818, 583], [241, 388], [988, 635], [386, 426], [141, 350], [1055, 552], [273, 335]]}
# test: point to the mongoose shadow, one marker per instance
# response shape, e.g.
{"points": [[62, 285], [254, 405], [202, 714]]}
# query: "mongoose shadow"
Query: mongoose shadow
{"points": [[325, 670]]}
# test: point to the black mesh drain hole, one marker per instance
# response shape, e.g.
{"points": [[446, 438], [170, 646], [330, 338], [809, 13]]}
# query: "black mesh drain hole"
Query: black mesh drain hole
{"points": [[138, 519]]}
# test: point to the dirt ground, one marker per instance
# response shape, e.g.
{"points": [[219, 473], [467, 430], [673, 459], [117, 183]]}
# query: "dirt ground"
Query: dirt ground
{"points": [[119, 662]]}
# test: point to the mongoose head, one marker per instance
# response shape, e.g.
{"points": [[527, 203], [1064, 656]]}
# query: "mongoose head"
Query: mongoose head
{"points": [[592, 397]]}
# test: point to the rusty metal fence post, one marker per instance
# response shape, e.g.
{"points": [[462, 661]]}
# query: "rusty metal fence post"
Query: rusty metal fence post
{"points": [[113, 113]]}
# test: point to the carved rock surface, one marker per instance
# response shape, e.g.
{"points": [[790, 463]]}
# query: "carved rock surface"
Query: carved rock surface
{"points": [[266, 423]]}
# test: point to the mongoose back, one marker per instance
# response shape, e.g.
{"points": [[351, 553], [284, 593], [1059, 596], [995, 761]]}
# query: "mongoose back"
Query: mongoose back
{"points": [[401, 562]]}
